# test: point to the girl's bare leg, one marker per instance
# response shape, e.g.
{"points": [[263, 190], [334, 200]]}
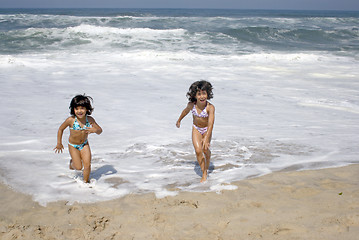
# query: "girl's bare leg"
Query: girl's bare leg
{"points": [[86, 159], [81, 159], [75, 162], [207, 154], [197, 144]]}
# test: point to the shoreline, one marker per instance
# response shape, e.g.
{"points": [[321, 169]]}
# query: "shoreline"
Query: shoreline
{"points": [[310, 204]]}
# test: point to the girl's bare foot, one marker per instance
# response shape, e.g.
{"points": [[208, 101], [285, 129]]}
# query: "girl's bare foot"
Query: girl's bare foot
{"points": [[204, 177]]}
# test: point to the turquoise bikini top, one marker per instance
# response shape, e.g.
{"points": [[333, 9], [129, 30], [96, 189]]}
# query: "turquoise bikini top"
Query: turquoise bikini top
{"points": [[76, 125]]}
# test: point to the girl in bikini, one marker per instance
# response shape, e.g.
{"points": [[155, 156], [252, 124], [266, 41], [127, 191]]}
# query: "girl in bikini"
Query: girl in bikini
{"points": [[203, 120], [81, 125]]}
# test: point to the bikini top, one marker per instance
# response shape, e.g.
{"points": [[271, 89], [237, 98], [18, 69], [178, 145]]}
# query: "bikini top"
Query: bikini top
{"points": [[76, 125], [203, 114]]}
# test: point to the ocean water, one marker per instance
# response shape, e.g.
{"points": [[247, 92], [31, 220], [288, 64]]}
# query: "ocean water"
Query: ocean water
{"points": [[286, 92]]}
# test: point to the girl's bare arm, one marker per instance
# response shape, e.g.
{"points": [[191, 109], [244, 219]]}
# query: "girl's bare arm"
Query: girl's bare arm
{"points": [[211, 113], [184, 113], [95, 127], [59, 147]]}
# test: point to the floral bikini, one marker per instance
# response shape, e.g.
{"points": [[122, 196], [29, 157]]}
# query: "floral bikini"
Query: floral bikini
{"points": [[203, 114], [76, 126]]}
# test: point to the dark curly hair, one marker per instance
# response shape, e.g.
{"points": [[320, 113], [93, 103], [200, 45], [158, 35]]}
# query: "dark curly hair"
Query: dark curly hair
{"points": [[198, 86], [83, 101]]}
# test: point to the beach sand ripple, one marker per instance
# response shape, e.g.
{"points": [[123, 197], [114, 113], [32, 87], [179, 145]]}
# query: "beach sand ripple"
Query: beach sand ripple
{"points": [[315, 204]]}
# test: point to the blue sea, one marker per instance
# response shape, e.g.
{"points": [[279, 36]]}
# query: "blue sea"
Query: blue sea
{"points": [[286, 93]]}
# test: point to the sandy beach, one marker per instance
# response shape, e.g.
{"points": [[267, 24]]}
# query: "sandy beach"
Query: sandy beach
{"points": [[315, 204]]}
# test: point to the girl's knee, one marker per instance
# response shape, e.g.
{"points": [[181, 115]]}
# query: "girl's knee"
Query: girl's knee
{"points": [[76, 164], [199, 152], [77, 167]]}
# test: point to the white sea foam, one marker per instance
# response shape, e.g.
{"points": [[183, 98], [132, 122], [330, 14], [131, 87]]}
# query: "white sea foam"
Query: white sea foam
{"points": [[263, 120], [274, 111], [144, 32]]}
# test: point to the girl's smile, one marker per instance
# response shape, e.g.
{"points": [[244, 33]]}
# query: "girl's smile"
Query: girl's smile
{"points": [[201, 96], [80, 111]]}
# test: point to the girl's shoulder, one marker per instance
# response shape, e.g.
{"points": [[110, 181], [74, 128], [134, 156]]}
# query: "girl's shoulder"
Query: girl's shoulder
{"points": [[210, 106], [190, 105], [70, 119]]}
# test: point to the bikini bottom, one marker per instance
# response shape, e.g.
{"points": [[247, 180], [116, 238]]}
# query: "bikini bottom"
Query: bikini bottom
{"points": [[79, 146], [201, 130]]}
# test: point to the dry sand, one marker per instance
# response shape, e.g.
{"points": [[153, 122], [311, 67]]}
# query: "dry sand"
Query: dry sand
{"points": [[320, 204]]}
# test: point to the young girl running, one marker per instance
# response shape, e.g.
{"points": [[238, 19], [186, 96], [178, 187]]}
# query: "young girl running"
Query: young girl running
{"points": [[81, 125], [203, 120]]}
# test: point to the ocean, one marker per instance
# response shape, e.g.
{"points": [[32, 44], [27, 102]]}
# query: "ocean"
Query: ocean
{"points": [[286, 93]]}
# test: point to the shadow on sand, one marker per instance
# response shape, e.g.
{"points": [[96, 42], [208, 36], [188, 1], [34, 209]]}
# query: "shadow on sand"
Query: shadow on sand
{"points": [[104, 170], [198, 170]]}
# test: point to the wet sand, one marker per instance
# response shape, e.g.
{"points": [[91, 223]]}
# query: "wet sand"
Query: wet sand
{"points": [[315, 204]]}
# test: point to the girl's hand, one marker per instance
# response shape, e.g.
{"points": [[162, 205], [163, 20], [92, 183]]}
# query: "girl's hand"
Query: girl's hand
{"points": [[90, 130], [59, 147], [93, 129], [178, 124], [206, 143]]}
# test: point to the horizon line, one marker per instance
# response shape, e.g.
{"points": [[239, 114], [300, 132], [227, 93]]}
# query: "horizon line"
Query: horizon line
{"points": [[184, 8]]}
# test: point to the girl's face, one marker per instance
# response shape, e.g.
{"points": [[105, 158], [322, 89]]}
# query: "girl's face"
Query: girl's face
{"points": [[201, 96], [80, 111]]}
